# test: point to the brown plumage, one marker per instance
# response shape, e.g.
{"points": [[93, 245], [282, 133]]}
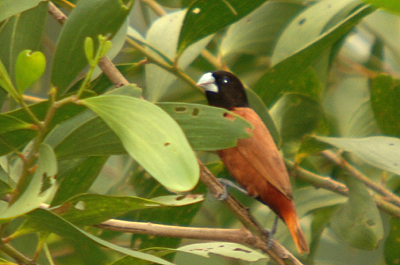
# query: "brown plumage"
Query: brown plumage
{"points": [[255, 162]]}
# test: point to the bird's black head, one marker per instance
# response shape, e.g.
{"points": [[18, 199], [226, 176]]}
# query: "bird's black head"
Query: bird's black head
{"points": [[223, 89]]}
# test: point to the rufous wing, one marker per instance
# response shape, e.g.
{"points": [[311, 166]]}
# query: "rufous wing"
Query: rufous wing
{"points": [[261, 152]]}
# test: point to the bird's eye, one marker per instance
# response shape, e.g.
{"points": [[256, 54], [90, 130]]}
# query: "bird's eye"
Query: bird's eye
{"points": [[225, 80]]}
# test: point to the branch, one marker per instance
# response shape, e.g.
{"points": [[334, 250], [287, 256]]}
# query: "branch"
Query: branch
{"points": [[388, 196], [338, 187], [15, 254], [277, 251]]}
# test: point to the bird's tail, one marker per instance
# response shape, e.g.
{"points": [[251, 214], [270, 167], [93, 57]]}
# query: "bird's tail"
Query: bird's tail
{"points": [[292, 222]]}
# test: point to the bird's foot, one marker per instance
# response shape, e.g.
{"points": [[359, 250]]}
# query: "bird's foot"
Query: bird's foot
{"points": [[271, 233], [228, 184]]}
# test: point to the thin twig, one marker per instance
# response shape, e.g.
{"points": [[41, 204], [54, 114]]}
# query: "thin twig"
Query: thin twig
{"points": [[388, 195], [337, 187], [155, 7], [276, 252], [15, 254]]}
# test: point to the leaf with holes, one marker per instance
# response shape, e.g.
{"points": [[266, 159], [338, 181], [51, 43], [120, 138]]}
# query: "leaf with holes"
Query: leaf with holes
{"points": [[287, 75], [151, 137], [89, 209], [208, 128]]}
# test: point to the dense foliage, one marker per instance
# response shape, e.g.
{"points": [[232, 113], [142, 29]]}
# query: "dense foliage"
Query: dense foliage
{"points": [[78, 146]]}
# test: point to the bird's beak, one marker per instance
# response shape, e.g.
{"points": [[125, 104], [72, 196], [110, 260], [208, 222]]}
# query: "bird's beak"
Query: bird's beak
{"points": [[207, 82]]}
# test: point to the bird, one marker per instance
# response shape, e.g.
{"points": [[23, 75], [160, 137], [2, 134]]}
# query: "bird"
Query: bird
{"points": [[255, 163]]}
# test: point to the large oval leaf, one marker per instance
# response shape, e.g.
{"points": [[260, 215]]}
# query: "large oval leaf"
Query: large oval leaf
{"points": [[151, 137], [105, 16], [379, 151], [283, 76], [308, 25], [206, 126], [89, 209]]}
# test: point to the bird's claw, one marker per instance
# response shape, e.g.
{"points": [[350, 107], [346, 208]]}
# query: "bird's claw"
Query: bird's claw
{"points": [[271, 233]]}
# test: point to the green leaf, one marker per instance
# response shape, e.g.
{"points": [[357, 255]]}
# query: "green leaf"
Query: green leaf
{"points": [[151, 137], [5, 188], [204, 125], [10, 124], [296, 115], [83, 136], [41, 186], [21, 32], [389, 5], [258, 105], [13, 7], [46, 221], [358, 222], [105, 17], [204, 18], [308, 25], [12, 140], [87, 135], [28, 68], [385, 101], [392, 243], [79, 179], [5, 81], [309, 199], [89, 209], [163, 36], [224, 249], [258, 32], [351, 108], [289, 71], [379, 151]]}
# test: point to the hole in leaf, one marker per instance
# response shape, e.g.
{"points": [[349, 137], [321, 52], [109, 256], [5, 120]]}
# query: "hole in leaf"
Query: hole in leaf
{"points": [[195, 112], [181, 109], [229, 116], [243, 250], [301, 22], [80, 205], [179, 198], [371, 222], [196, 10]]}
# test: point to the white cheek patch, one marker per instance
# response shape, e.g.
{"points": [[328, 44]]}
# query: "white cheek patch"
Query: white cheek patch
{"points": [[207, 82]]}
